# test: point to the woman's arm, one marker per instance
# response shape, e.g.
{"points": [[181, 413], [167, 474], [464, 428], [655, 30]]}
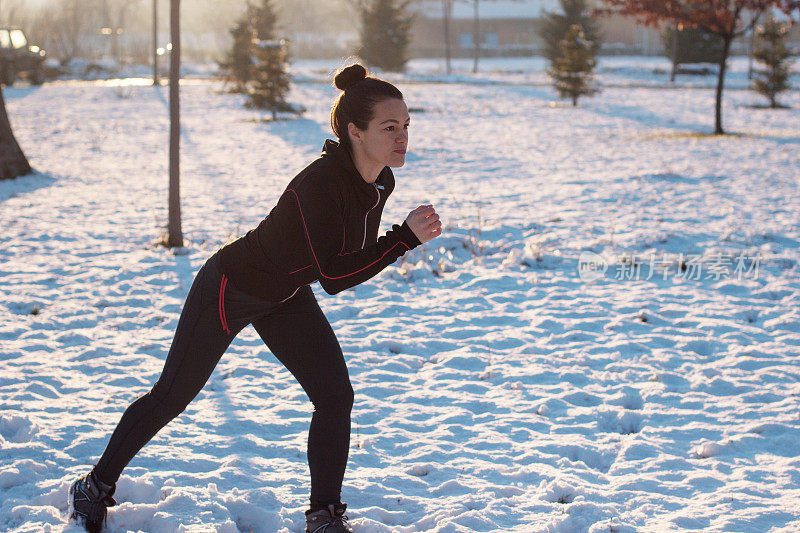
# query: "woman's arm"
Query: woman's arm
{"points": [[322, 221]]}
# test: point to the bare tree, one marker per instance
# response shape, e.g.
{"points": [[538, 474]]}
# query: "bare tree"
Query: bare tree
{"points": [[447, 15], [728, 19], [64, 28], [9, 10], [114, 19], [68, 35], [174, 236]]}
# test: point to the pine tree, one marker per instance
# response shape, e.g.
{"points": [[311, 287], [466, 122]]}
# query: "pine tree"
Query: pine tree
{"points": [[270, 83], [385, 34], [772, 52], [238, 65], [263, 19], [553, 27], [257, 62], [572, 72], [270, 80]]}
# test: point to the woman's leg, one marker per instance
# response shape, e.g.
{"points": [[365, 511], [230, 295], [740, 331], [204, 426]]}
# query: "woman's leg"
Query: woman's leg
{"points": [[212, 316], [300, 337]]}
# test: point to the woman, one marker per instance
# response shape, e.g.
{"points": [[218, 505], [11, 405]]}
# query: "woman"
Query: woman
{"points": [[324, 227]]}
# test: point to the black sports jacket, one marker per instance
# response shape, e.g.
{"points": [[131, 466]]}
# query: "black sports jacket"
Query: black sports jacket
{"points": [[324, 227]]}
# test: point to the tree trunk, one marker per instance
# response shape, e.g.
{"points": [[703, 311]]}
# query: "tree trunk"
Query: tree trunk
{"points": [[75, 29], [115, 46], [155, 42], [105, 17], [123, 15], [726, 47], [12, 161], [750, 46], [174, 233], [674, 53]]}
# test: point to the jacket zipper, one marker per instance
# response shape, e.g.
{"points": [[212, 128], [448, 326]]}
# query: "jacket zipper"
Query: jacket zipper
{"points": [[295, 292], [364, 242]]}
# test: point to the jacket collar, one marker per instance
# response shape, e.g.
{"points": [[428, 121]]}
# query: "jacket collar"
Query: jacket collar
{"points": [[341, 157]]}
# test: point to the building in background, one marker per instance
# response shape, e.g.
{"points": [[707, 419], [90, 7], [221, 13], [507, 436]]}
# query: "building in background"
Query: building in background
{"points": [[318, 29], [508, 28]]}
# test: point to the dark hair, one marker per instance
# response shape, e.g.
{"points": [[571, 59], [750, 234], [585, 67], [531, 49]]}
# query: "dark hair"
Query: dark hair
{"points": [[356, 103]]}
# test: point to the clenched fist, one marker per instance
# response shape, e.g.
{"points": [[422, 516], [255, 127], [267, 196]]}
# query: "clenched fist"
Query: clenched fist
{"points": [[425, 223]]}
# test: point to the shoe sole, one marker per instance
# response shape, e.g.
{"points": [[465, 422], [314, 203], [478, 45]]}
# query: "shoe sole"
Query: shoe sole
{"points": [[71, 518]]}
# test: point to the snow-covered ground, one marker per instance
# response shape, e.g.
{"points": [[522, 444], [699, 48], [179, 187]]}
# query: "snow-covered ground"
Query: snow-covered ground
{"points": [[612, 71], [499, 385]]}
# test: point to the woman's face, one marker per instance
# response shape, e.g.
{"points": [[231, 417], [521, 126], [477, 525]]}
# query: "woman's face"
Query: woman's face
{"points": [[385, 140]]}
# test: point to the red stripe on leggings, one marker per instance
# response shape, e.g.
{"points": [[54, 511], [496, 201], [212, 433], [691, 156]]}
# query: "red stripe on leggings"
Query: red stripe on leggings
{"points": [[222, 304]]}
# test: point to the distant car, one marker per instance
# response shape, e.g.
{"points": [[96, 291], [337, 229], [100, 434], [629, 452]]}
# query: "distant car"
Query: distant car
{"points": [[17, 57]]}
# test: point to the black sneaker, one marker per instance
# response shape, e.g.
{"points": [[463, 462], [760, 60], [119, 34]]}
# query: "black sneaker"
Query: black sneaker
{"points": [[88, 500], [330, 520]]}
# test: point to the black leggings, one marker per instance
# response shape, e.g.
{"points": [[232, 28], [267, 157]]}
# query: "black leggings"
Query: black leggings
{"points": [[296, 332]]}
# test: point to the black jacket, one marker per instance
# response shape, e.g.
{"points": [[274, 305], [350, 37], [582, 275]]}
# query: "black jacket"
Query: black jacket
{"points": [[324, 227]]}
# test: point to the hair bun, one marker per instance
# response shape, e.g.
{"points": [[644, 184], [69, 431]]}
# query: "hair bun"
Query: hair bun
{"points": [[349, 76]]}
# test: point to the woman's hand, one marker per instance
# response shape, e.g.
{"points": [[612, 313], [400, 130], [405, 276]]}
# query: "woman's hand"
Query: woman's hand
{"points": [[425, 223]]}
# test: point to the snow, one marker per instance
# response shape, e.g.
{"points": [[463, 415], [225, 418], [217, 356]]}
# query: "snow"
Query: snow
{"points": [[612, 71], [498, 388]]}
